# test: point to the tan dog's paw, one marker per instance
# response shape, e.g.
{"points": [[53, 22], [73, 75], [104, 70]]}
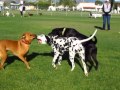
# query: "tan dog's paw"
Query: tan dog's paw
{"points": [[28, 67]]}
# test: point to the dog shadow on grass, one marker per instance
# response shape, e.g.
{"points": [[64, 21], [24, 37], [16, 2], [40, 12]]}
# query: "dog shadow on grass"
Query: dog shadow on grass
{"points": [[98, 27], [11, 59], [31, 56], [66, 58]]}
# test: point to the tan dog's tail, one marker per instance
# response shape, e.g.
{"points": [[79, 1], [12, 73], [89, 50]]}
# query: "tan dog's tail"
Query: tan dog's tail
{"points": [[85, 40]]}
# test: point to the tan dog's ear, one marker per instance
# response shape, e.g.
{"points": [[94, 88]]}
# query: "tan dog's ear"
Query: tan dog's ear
{"points": [[23, 36]]}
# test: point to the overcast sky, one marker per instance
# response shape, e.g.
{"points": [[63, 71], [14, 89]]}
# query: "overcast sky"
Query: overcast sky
{"points": [[58, 0]]}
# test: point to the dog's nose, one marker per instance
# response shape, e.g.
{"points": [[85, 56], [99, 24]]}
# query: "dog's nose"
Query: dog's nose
{"points": [[35, 36]]}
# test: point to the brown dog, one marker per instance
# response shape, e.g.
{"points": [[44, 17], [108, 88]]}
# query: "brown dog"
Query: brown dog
{"points": [[18, 48]]}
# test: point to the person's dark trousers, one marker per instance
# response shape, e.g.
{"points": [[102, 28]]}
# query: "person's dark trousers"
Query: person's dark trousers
{"points": [[106, 20], [21, 12]]}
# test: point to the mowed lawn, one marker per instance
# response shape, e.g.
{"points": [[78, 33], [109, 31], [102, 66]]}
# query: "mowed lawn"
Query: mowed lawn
{"points": [[42, 76]]}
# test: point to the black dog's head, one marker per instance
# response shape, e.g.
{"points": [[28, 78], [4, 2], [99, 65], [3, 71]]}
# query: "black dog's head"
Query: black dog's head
{"points": [[56, 31]]}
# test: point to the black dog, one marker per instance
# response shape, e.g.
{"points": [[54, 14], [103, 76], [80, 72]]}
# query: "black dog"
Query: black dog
{"points": [[90, 46]]}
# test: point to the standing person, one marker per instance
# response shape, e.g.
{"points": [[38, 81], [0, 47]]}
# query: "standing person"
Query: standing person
{"points": [[21, 12], [106, 14], [22, 8]]}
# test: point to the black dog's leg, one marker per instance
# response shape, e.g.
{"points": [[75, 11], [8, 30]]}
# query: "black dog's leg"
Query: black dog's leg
{"points": [[89, 60], [94, 57]]}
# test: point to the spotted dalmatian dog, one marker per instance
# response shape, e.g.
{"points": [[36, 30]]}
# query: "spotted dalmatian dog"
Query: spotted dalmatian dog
{"points": [[62, 44]]}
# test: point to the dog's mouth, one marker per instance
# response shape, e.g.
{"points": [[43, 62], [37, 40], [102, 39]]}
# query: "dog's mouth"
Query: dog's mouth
{"points": [[39, 41]]}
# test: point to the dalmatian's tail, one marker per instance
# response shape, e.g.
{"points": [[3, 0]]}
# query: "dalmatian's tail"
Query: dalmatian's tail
{"points": [[85, 40]]}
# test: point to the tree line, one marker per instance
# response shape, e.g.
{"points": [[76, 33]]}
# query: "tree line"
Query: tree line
{"points": [[45, 3]]}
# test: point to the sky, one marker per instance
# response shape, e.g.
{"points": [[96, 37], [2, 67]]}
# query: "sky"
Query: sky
{"points": [[117, 0], [58, 0]]}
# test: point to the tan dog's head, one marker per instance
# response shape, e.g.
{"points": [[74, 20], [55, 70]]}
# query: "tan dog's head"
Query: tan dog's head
{"points": [[28, 37]]}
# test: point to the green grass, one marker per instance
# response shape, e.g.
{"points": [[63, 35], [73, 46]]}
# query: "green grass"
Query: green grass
{"points": [[42, 76]]}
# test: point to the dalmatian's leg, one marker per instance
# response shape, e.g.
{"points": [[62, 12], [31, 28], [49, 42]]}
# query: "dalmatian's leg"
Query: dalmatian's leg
{"points": [[56, 54], [59, 59], [71, 57], [82, 55]]}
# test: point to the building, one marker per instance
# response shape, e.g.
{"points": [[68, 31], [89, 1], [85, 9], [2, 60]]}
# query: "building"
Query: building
{"points": [[84, 6]]}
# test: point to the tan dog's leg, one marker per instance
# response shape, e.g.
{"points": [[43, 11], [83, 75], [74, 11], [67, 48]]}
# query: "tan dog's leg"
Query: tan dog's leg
{"points": [[3, 56], [25, 61]]}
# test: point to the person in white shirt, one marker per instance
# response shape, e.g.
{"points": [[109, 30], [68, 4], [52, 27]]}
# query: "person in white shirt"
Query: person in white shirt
{"points": [[22, 8], [106, 14]]}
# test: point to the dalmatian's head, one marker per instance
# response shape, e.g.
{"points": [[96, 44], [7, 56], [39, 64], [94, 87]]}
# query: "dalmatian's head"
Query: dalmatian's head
{"points": [[42, 39]]}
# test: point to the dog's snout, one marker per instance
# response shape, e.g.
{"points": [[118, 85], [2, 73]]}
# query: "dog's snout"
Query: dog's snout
{"points": [[35, 36]]}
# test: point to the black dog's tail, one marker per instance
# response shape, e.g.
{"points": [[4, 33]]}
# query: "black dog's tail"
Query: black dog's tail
{"points": [[95, 40]]}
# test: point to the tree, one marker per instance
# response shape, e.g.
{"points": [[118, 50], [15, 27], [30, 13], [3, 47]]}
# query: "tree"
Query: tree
{"points": [[44, 4], [68, 2], [112, 2], [13, 2], [98, 2]]}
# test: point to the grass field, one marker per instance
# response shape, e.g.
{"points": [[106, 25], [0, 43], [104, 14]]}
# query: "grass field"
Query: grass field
{"points": [[42, 76]]}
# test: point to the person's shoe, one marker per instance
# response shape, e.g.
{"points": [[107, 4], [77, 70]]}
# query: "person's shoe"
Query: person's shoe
{"points": [[108, 27]]}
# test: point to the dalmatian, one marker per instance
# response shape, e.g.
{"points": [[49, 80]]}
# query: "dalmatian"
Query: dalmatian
{"points": [[71, 44]]}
